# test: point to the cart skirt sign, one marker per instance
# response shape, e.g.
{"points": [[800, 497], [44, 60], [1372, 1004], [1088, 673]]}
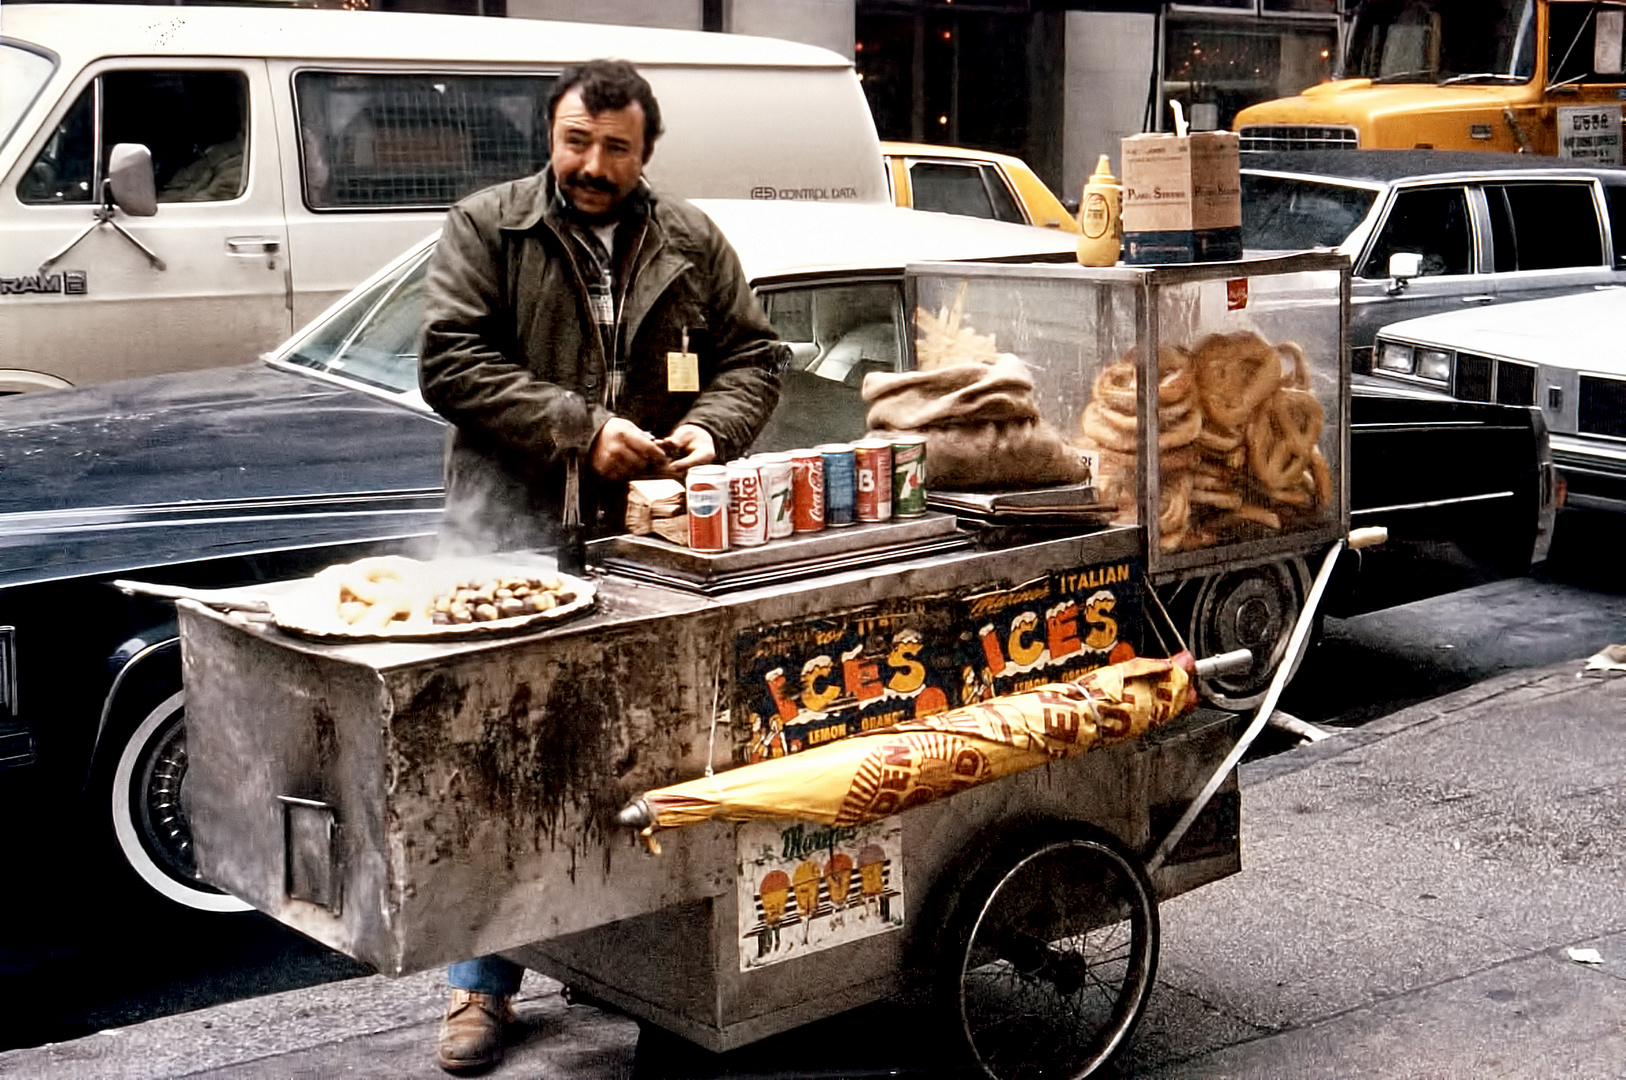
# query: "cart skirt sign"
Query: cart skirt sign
{"points": [[804, 888], [810, 682]]}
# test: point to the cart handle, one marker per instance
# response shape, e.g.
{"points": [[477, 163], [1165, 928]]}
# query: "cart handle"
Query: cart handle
{"points": [[1224, 663]]}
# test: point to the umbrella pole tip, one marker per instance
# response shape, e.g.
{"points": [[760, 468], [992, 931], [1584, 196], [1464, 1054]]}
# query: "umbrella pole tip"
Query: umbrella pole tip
{"points": [[635, 815]]}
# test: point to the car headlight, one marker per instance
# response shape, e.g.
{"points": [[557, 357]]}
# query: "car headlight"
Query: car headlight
{"points": [[1393, 356], [1434, 364]]}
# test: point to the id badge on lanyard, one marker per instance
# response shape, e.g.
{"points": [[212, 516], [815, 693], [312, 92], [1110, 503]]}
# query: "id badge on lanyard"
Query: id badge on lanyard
{"points": [[683, 369]]}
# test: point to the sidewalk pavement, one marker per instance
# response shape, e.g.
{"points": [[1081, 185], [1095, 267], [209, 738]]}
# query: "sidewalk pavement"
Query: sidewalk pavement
{"points": [[1410, 893]]}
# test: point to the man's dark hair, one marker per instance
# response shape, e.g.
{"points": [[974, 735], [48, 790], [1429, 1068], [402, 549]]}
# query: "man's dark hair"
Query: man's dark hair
{"points": [[607, 85]]}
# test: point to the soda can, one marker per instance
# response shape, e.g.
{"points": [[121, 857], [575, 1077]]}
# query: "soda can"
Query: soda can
{"points": [[908, 476], [873, 460], [806, 490], [747, 514], [840, 484], [776, 492], [706, 488]]}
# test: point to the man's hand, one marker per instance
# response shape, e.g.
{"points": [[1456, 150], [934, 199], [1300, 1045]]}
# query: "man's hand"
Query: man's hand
{"points": [[695, 446], [622, 451]]}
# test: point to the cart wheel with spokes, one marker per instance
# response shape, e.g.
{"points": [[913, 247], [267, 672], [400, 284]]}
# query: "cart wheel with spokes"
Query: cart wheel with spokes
{"points": [[1050, 955]]}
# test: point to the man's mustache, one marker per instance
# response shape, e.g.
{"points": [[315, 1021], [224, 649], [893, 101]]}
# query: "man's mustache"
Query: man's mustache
{"points": [[591, 183]]}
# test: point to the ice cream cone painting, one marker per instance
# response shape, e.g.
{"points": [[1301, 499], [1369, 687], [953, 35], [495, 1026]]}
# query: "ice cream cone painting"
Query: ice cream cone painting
{"points": [[804, 888]]}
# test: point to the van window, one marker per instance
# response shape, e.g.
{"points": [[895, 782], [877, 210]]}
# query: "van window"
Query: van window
{"points": [[416, 141], [1543, 226], [1573, 52], [1433, 222], [24, 72], [970, 189], [1443, 41], [194, 122]]}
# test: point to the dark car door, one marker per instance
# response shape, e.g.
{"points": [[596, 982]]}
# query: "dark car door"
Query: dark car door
{"points": [[1436, 221]]}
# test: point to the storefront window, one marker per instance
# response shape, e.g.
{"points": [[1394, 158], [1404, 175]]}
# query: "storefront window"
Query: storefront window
{"points": [[1216, 68]]}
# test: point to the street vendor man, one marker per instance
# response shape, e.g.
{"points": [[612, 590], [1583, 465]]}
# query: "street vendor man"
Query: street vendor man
{"points": [[577, 310]]}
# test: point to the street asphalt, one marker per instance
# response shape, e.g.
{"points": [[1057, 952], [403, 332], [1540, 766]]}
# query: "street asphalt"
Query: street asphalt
{"points": [[1411, 895]]}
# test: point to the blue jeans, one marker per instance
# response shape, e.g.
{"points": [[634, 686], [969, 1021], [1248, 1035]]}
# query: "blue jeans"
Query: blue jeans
{"points": [[486, 975]]}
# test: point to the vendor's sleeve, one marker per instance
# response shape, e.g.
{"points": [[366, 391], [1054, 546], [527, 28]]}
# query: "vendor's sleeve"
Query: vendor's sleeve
{"points": [[743, 389], [466, 362]]}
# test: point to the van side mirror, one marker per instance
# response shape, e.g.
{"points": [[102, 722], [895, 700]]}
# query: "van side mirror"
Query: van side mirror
{"points": [[130, 184], [1403, 266]]}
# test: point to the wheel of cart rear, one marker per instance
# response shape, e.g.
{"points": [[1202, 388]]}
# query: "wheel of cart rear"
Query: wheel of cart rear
{"points": [[1051, 958], [1253, 608]]}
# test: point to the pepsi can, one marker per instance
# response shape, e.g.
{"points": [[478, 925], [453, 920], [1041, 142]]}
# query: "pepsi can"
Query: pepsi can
{"points": [[706, 489], [840, 484]]}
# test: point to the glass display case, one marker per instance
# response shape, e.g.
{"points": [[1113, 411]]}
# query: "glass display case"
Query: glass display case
{"points": [[1251, 393]]}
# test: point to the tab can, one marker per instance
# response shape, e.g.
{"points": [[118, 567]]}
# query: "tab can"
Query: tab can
{"points": [[873, 460], [706, 491], [806, 490], [840, 484], [775, 470], [747, 514], [908, 476]]}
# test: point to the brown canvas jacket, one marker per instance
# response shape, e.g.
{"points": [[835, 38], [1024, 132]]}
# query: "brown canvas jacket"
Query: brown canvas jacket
{"points": [[507, 329]]}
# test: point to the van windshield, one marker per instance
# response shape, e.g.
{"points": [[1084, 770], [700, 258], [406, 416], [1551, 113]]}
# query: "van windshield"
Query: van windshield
{"points": [[1443, 41], [23, 74]]}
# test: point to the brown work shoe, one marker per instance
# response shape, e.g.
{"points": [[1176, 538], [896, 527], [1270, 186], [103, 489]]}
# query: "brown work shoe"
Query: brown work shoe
{"points": [[471, 1032]]}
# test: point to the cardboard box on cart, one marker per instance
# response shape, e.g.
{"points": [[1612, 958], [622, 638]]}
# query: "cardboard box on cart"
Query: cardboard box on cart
{"points": [[1182, 197]]}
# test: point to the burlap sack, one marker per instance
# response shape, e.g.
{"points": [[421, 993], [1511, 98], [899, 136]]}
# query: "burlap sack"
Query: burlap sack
{"points": [[980, 423]]}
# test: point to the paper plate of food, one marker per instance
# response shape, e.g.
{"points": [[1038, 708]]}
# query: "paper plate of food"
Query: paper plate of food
{"points": [[390, 597]]}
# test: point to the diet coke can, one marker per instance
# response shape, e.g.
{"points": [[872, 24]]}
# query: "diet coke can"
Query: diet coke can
{"points": [[776, 492], [807, 490], [707, 492], [747, 513], [840, 484], [873, 460]]}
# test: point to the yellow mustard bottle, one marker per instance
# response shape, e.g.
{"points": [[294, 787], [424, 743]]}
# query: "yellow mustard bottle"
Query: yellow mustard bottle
{"points": [[1100, 214]]}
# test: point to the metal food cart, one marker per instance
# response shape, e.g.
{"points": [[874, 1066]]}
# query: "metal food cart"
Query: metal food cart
{"points": [[412, 803]]}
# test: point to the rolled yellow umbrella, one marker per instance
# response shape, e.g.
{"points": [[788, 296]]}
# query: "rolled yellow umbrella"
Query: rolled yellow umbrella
{"points": [[892, 769]]}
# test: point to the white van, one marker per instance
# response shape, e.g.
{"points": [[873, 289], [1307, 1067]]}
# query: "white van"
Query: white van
{"points": [[295, 151]]}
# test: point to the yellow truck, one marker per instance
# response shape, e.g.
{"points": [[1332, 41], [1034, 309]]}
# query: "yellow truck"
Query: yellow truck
{"points": [[1526, 76]]}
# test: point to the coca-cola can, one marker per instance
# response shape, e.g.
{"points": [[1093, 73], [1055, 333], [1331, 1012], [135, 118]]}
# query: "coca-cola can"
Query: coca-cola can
{"points": [[706, 488], [807, 490], [747, 513], [840, 484], [873, 460], [776, 492]]}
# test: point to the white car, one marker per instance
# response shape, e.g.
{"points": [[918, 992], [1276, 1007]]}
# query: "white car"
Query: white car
{"points": [[1565, 356]]}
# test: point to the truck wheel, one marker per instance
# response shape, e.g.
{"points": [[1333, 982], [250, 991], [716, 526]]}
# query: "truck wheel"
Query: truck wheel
{"points": [[149, 821], [1253, 608], [1050, 957]]}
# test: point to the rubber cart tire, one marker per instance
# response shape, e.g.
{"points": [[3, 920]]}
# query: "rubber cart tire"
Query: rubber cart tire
{"points": [[1252, 608], [1049, 956]]}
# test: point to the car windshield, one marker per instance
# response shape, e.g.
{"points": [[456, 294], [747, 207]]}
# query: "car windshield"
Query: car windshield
{"points": [[838, 332], [1443, 41], [1283, 213], [374, 338], [23, 74]]}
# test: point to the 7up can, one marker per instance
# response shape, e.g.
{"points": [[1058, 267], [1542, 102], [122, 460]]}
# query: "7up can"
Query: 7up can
{"points": [[908, 476], [776, 492]]}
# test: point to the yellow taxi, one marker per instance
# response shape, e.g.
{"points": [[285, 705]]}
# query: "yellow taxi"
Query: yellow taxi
{"points": [[976, 183]]}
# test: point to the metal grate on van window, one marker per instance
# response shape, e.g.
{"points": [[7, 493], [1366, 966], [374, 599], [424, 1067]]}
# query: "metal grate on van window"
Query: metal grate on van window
{"points": [[1299, 137], [1515, 384], [1474, 377], [375, 140], [1602, 407]]}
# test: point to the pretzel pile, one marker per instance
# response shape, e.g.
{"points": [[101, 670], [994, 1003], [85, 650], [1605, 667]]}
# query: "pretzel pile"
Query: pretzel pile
{"points": [[1237, 437]]}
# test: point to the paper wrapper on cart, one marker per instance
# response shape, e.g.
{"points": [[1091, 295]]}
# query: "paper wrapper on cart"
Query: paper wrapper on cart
{"points": [[869, 776]]}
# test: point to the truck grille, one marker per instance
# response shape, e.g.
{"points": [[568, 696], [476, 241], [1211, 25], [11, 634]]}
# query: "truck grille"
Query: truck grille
{"points": [[1474, 377], [1602, 407], [1515, 384], [1299, 137]]}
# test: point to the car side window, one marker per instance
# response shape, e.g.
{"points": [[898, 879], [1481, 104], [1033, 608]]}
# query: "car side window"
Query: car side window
{"points": [[416, 141], [194, 122], [950, 189], [1005, 205], [1615, 197], [1434, 223], [1537, 226]]}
